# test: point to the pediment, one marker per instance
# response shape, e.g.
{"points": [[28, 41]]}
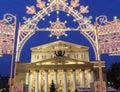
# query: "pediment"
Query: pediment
{"points": [[60, 45]]}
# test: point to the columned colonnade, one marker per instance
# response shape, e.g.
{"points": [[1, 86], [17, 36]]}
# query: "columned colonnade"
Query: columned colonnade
{"points": [[38, 76]]}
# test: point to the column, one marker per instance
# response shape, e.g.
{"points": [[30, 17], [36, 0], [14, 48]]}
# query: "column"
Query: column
{"points": [[55, 80], [46, 81], [65, 81], [37, 81], [74, 80], [82, 79], [30, 82], [91, 76], [27, 78]]}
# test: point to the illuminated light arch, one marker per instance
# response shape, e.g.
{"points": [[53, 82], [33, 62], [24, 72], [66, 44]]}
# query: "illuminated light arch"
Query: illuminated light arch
{"points": [[29, 27], [92, 42]]}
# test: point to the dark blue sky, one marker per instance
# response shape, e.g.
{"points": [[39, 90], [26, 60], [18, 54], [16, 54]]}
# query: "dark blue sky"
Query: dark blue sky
{"points": [[110, 8]]}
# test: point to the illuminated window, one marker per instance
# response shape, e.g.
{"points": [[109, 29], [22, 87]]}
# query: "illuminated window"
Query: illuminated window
{"points": [[37, 57], [76, 56], [44, 57]]}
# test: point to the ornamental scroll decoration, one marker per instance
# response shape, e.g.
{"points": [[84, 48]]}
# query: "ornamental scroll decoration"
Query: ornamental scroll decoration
{"points": [[7, 34], [108, 35]]}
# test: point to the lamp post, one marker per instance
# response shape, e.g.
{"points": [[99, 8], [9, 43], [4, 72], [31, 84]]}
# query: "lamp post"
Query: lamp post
{"points": [[98, 59]]}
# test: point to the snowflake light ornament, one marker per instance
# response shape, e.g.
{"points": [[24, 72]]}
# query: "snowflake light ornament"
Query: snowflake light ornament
{"points": [[57, 28]]}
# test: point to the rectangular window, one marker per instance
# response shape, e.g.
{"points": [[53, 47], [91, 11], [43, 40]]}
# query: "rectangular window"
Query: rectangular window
{"points": [[76, 56], [44, 57], [37, 57]]}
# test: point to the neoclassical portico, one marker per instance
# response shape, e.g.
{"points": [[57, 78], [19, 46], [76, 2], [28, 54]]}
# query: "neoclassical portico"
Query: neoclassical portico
{"points": [[67, 83], [67, 64]]}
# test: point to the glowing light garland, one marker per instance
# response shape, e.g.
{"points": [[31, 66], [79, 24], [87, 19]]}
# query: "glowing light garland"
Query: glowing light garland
{"points": [[108, 32], [7, 33], [58, 28], [55, 5], [109, 35]]}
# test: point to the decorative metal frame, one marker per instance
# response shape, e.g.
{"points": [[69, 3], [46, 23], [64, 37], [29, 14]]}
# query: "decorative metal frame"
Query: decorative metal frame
{"points": [[108, 35], [29, 27], [7, 34], [7, 38]]}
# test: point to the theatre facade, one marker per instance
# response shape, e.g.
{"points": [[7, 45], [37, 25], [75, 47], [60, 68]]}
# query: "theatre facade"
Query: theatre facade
{"points": [[67, 64]]}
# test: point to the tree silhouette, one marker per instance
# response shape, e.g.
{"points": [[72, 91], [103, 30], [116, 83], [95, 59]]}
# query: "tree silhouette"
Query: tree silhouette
{"points": [[52, 87], [113, 75]]}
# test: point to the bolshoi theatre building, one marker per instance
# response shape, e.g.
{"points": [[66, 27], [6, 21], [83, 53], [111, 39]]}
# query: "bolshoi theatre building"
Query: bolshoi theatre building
{"points": [[67, 64]]}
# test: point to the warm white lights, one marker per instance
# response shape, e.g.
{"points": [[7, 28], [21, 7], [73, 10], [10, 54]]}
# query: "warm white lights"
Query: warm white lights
{"points": [[57, 28], [7, 34], [108, 35], [58, 5]]}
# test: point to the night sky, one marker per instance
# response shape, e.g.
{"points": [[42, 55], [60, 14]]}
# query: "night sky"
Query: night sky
{"points": [[109, 8]]}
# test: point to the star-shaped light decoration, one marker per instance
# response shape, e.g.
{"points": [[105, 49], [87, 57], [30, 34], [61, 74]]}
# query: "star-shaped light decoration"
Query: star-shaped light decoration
{"points": [[58, 28]]}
